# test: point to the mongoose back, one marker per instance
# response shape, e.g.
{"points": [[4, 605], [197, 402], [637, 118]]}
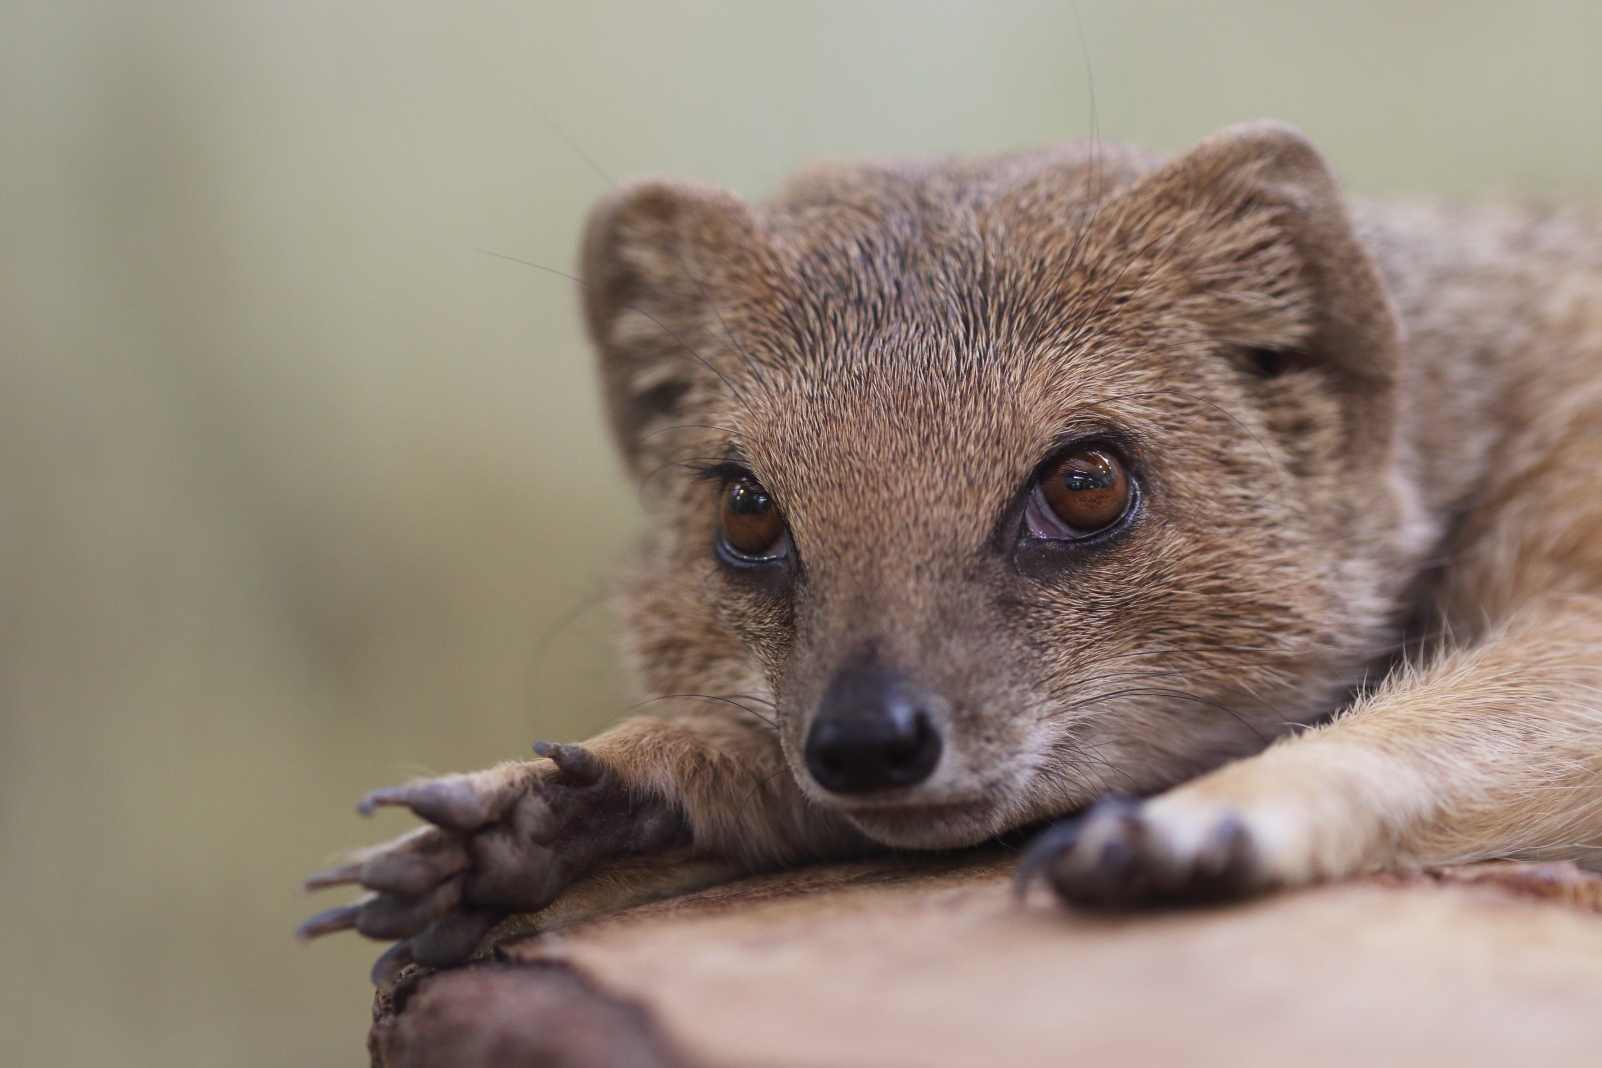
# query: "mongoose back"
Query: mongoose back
{"points": [[1256, 531]]}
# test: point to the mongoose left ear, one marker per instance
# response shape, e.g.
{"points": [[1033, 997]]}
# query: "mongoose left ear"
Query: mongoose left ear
{"points": [[1253, 219], [668, 267]]}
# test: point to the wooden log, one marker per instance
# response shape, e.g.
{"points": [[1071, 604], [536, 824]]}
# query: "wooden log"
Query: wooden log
{"points": [[933, 962]]}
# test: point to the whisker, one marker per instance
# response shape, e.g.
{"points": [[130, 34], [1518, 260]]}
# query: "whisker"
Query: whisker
{"points": [[1279, 470], [573, 145], [1185, 695], [757, 698], [754, 791], [690, 426], [606, 177], [1083, 761], [542, 644], [700, 697]]}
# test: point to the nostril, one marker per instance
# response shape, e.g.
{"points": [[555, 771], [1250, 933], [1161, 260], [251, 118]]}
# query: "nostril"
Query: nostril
{"points": [[871, 733]]}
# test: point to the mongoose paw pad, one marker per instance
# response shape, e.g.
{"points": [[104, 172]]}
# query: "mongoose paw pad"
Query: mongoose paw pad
{"points": [[1121, 855], [498, 841]]}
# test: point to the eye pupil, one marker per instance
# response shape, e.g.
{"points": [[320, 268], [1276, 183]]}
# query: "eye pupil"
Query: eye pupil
{"points": [[745, 499], [752, 525], [1081, 482]]}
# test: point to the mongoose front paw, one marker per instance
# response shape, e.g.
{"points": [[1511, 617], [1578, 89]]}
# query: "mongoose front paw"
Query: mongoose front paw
{"points": [[500, 841], [1121, 854]]}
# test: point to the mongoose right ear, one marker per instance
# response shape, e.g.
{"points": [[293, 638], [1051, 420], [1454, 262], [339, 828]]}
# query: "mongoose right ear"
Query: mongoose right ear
{"points": [[669, 268], [1260, 209]]}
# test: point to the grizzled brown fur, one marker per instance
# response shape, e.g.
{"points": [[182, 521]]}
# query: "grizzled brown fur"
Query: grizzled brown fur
{"points": [[1365, 440]]}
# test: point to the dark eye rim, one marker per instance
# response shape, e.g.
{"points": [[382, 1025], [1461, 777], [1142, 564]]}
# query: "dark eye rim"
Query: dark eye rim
{"points": [[1033, 491], [735, 558]]}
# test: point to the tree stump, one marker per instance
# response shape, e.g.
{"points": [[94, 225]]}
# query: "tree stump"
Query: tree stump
{"points": [[934, 962]]}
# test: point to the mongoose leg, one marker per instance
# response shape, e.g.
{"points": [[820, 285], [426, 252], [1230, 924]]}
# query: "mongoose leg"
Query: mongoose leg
{"points": [[1494, 750], [510, 838]]}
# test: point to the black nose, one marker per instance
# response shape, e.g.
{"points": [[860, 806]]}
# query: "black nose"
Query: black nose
{"points": [[872, 732]]}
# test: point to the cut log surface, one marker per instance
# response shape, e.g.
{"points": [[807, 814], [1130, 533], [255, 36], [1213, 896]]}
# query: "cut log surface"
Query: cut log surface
{"points": [[934, 963]]}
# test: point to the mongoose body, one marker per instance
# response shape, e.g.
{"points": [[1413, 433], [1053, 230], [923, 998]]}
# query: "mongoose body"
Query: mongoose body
{"points": [[1259, 531]]}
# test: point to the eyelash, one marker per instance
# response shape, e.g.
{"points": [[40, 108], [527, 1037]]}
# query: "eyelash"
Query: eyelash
{"points": [[720, 471]]}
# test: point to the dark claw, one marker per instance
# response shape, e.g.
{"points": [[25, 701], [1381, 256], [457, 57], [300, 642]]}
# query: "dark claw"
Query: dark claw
{"points": [[387, 968], [387, 917], [342, 918], [1059, 838], [388, 795], [453, 938], [579, 767], [449, 803], [340, 876]]}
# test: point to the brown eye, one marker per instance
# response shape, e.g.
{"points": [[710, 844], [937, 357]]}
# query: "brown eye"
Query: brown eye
{"points": [[753, 526], [1084, 490]]}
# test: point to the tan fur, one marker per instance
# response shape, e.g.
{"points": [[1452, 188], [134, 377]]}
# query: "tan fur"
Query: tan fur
{"points": [[1388, 558], [892, 434]]}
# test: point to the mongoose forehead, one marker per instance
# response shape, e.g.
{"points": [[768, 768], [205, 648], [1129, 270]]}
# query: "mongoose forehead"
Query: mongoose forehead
{"points": [[893, 351]]}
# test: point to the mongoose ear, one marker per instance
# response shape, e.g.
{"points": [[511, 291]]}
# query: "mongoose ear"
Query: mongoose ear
{"points": [[1271, 235], [666, 265]]}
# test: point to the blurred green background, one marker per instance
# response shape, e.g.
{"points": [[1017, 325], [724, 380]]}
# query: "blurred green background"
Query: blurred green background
{"points": [[301, 491]]}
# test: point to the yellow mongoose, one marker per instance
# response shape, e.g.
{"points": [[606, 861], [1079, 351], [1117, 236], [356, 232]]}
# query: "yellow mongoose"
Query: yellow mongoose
{"points": [[985, 492]]}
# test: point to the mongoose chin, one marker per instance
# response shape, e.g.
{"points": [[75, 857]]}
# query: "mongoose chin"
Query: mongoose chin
{"points": [[1256, 531]]}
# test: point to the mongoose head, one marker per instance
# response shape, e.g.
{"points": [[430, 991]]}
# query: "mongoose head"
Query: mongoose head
{"points": [[996, 486]]}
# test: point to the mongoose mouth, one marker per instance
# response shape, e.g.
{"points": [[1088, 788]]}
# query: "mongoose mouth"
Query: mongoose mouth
{"points": [[930, 826]]}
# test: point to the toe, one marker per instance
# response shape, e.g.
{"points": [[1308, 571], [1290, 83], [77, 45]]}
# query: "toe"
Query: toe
{"points": [[578, 765], [532, 819], [1226, 865], [452, 802], [387, 968], [459, 803], [386, 917], [1047, 846], [453, 938], [511, 872], [415, 864], [407, 867], [1111, 864], [1122, 856]]}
